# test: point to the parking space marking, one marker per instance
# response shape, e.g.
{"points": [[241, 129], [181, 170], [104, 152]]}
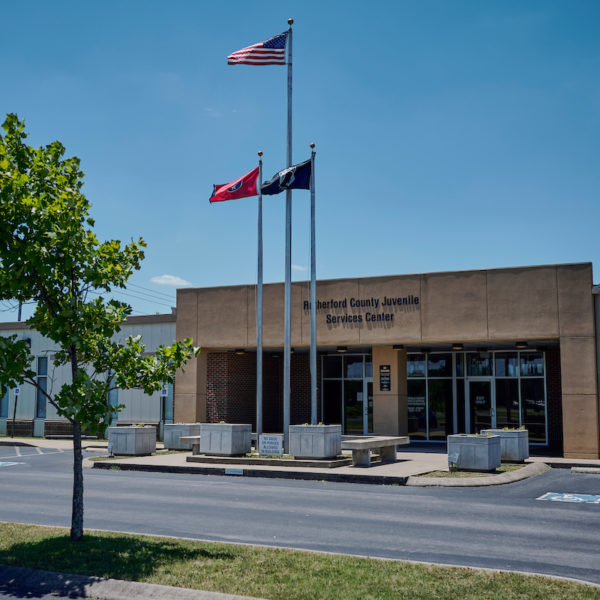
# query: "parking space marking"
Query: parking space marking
{"points": [[39, 452], [577, 498], [10, 464]]}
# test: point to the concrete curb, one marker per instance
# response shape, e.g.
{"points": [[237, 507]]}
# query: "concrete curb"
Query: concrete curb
{"points": [[524, 473], [33, 581], [588, 470], [270, 474], [15, 443]]}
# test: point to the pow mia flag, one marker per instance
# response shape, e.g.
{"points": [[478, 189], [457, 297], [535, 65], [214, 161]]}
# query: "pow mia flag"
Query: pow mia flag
{"points": [[296, 177]]}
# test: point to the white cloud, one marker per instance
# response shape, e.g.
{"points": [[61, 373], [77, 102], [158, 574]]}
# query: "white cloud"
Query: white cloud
{"points": [[170, 280], [299, 268]]}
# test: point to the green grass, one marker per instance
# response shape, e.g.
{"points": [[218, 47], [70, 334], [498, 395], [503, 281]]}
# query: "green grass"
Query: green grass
{"points": [[504, 468], [265, 572], [125, 456]]}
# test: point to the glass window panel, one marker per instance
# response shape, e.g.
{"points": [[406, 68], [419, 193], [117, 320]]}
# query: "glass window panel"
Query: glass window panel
{"points": [[42, 366], [440, 409], [460, 406], [479, 364], [480, 398], [532, 364], [4, 406], [332, 366], [332, 402], [460, 365], [439, 365], [415, 365], [507, 403], [507, 364], [370, 406], [40, 411], [417, 406], [353, 408], [533, 409], [368, 366], [168, 403], [353, 367]]}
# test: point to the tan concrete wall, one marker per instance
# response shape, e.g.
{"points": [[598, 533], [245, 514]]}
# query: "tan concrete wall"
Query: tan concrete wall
{"points": [[529, 303], [186, 382], [522, 303], [499, 304], [390, 409], [579, 362]]}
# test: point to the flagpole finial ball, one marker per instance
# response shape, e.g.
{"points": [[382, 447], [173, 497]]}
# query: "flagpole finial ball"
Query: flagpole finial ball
{"points": [[290, 21], [260, 152], [312, 144]]}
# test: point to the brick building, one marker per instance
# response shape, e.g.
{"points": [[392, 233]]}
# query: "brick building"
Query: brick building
{"points": [[425, 355]]}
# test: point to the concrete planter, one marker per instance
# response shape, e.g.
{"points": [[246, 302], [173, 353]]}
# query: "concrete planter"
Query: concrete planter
{"points": [[474, 452], [174, 431], [225, 439], [315, 441], [514, 443], [132, 441]]}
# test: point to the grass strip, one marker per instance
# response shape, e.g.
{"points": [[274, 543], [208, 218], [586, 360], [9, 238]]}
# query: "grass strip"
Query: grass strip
{"points": [[504, 468], [265, 572]]}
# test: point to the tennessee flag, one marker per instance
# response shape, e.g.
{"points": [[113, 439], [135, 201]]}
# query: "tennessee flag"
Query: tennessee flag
{"points": [[243, 187]]}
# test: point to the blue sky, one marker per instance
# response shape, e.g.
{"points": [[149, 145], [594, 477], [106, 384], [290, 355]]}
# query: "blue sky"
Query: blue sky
{"points": [[450, 135]]}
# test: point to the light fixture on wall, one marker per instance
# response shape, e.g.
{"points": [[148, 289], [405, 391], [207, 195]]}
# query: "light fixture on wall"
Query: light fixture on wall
{"points": [[398, 347], [458, 346], [239, 351], [521, 345], [342, 349]]}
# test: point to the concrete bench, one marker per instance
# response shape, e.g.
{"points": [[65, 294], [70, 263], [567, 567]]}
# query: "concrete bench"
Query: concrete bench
{"points": [[195, 439], [361, 448]]}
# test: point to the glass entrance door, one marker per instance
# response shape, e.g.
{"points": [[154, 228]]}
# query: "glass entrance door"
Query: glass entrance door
{"points": [[353, 408], [482, 407], [358, 407]]}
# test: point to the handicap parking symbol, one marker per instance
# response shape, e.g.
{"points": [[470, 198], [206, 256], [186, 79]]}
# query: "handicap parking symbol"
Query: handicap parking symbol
{"points": [[576, 498], [10, 464]]}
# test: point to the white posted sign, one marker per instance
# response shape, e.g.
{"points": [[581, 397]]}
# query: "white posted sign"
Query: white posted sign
{"points": [[270, 444]]}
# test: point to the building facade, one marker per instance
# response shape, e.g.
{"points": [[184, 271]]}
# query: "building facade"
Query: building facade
{"points": [[425, 355], [28, 412]]}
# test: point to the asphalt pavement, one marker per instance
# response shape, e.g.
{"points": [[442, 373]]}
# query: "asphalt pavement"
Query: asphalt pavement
{"points": [[502, 527]]}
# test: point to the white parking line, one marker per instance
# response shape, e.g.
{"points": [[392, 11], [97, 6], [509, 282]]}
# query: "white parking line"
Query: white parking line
{"points": [[39, 450], [53, 451], [17, 451]]}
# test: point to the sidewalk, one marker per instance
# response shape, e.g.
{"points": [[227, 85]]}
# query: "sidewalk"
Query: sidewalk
{"points": [[61, 443], [411, 463], [31, 583]]}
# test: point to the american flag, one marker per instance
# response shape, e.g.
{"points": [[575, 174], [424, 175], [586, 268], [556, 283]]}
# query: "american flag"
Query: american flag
{"points": [[269, 52]]}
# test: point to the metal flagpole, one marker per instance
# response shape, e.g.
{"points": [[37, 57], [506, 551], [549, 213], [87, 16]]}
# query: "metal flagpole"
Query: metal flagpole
{"points": [[287, 327], [313, 295], [259, 307]]}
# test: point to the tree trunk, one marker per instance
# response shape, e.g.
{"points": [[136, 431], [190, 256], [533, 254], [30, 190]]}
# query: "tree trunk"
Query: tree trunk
{"points": [[77, 509], [77, 512]]}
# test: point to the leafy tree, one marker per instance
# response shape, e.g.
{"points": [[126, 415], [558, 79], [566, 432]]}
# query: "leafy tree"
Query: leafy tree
{"points": [[49, 254]]}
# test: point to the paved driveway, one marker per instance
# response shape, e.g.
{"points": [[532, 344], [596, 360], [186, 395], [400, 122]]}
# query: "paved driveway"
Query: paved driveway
{"points": [[504, 527]]}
